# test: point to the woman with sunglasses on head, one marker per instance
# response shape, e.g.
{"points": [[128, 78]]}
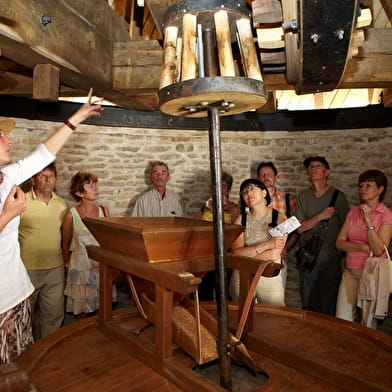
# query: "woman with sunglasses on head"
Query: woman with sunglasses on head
{"points": [[257, 242]]}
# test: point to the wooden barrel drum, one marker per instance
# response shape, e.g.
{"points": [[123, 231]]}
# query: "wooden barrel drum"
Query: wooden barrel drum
{"points": [[209, 57]]}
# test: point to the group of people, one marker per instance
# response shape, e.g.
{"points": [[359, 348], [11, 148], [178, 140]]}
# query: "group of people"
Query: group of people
{"points": [[43, 244], [349, 237]]}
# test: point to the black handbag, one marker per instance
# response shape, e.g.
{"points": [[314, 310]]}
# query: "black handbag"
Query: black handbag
{"points": [[307, 253]]}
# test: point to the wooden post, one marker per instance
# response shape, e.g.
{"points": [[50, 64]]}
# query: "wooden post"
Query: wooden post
{"points": [[105, 292], [289, 8], [163, 321], [177, 74], [168, 68], [248, 51], [46, 82], [188, 47], [225, 54]]}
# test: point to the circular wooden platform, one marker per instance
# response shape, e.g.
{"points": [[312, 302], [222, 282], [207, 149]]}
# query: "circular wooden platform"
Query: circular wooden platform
{"points": [[242, 94], [300, 351]]}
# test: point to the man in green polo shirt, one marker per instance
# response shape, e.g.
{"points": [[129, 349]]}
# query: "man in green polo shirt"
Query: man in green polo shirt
{"points": [[40, 245]]}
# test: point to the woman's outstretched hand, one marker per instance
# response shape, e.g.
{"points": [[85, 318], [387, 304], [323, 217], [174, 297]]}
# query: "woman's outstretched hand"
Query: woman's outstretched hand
{"points": [[89, 109]]}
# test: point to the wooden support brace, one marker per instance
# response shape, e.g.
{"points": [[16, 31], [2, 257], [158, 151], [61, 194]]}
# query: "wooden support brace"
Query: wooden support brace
{"points": [[46, 82], [189, 61], [163, 321], [177, 74], [271, 38], [225, 54], [248, 51], [168, 68], [387, 97], [266, 11]]}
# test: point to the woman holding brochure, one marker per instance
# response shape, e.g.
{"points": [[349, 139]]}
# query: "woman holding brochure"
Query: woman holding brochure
{"points": [[256, 241]]}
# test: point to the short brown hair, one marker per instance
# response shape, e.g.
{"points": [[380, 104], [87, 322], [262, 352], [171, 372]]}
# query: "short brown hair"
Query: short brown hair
{"points": [[378, 177], [51, 167], [78, 181]]}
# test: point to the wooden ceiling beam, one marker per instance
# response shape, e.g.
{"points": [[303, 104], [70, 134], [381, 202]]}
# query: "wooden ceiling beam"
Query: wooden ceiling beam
{"points": [[46, 82], [157, 9], [71, 41]]}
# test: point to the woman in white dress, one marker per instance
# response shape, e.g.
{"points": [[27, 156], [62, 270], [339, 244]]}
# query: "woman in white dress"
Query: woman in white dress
{"points": [[82, 284]]}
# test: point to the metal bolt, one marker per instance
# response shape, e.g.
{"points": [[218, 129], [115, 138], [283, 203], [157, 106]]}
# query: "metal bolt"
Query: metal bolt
{"points": [[292, 25], [314, 37], [339, 33], [45, 20]]}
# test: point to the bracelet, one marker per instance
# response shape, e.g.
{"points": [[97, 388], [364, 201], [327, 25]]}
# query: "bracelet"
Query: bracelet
{"points": [[69, 125], [371, 227]]}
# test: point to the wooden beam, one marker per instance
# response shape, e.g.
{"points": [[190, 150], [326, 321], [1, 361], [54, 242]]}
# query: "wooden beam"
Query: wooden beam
{"points": [[75, 38], [387, 97], [270, 105], [157, 9], [371, 68], [83, 55], [266, 11], [387, 5], [46, 82]]}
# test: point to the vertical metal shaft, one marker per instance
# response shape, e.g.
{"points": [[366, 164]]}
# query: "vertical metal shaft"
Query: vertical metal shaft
{"points": [[219, 242]]}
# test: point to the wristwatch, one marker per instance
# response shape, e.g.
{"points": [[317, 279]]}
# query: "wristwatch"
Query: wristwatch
{"points": [[371, 227]]}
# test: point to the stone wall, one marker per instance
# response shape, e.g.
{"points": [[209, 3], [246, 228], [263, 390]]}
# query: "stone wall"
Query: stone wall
{"points": [[120, 158]]}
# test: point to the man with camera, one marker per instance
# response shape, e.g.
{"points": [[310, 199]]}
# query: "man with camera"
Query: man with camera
{"points": [[321, 210]]}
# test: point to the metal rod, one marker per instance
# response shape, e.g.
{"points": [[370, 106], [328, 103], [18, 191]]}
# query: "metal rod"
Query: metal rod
{"points": [[219, 244], [200, 54], [210, 53]]}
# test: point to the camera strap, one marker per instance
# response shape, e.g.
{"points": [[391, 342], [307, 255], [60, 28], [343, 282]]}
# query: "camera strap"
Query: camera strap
{"points": [[321, 231]]}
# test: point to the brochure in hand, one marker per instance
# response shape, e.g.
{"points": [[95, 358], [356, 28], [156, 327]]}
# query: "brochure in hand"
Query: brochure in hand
{"points": [[285, 228]]}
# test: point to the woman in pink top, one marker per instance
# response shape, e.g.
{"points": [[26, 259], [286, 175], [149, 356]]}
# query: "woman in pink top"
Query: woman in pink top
{"points": [[368, 227]]}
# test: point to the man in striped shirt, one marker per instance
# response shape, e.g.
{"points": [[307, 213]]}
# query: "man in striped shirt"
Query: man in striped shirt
{"points": [[268, 174]]}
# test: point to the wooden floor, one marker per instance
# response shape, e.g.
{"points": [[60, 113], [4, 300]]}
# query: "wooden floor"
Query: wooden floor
{"points": [[300, 351], [84, 360]]}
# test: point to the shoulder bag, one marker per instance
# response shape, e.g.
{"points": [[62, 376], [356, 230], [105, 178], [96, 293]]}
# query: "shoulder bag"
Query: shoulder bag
{"points": [[307, 254]]}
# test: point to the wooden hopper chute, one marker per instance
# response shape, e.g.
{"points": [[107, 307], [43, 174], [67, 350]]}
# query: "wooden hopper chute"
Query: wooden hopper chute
{"points": [[165, 285]]}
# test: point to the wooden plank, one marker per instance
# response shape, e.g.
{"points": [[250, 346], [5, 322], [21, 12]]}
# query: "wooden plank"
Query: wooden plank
{"points": [[270, 38], [83, 48], [163, 321], [297, 347], [387, 97], [99, 15], [157, 9], [136, 79], [46, 82], [177, 282], [266, 11], [142, 53]]}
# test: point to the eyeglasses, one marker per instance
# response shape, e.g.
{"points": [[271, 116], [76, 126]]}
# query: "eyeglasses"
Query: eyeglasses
{"points": [[317, 166], [249, 189]]}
